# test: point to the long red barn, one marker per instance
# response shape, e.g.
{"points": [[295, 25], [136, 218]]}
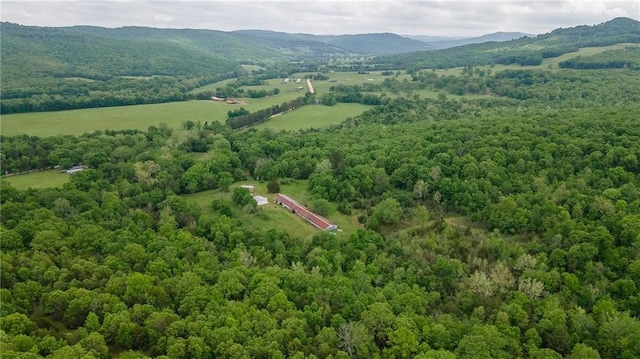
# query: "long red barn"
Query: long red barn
{"points": [[302, 211]]}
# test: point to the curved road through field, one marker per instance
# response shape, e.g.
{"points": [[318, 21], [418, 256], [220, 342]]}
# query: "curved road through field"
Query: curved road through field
{"points": [[310, 86]]}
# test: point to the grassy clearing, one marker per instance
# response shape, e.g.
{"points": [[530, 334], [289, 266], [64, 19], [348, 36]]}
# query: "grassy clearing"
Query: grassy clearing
{"points": [[77, 122], [297, 189], [585, 51], [81, 79], [252, 67], [347, 78], [273, 216], [547, 64], [139, 77], [40, 179], [314, 116]]}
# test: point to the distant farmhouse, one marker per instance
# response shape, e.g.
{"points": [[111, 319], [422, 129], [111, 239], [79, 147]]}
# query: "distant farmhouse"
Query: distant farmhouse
{"points": [[302, 211], [76, 169]]}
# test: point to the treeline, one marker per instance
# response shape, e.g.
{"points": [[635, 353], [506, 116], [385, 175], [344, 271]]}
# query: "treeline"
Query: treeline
{"points": [[240, 119], [234, 89], [78, 93], [628, 58], [26, 153], [351, 94]]}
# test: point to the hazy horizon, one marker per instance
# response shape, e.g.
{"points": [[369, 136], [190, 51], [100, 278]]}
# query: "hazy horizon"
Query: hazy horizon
{"points": [[413, 18]]}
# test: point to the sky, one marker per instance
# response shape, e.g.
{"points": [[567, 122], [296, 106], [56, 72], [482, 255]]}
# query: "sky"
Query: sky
{"points": [[430, 17]]}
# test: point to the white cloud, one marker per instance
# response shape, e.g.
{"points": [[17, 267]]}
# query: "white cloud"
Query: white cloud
{"points": [[454, 18]]}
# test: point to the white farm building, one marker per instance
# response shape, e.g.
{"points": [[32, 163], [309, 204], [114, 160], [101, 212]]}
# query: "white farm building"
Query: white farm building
{"points": [[261, 201]]}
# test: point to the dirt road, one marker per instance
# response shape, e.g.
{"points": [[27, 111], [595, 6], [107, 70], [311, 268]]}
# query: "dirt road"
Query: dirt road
{"points": [[310, 86]]}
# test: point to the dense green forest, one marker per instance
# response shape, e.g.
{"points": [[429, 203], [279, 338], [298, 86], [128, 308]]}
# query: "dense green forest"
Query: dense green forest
{"points": [[496, 226], [117, 263]]}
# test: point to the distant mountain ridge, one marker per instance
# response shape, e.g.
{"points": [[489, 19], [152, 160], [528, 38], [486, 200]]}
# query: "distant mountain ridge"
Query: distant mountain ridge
{"points": [[522, 51], [365, 44], [496, 36]]}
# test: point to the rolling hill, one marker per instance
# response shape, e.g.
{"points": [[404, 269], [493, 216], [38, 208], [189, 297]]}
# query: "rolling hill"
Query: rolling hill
{"points": [[496, 36], [238, 46], [445, 42], [523, 51], [364, 44]]}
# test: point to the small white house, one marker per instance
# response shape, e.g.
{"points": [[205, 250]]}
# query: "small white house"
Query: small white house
{"points": [[261, 201], [298, 80], [76, 169], [286, 81]]}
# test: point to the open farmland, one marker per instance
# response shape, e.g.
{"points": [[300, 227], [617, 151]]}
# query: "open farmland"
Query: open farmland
{"points": [[174, 114], [39, 179], [314, 116], [547, 64], [77, 122]]}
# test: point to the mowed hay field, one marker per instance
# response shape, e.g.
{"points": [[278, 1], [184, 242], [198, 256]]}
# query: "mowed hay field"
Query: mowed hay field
{"points": [[174, 114], [40, 179], [77, 122], [313, 116]]}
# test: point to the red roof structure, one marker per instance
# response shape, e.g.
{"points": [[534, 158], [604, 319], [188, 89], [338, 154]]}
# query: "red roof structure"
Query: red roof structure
{"points": [[302, 211]]}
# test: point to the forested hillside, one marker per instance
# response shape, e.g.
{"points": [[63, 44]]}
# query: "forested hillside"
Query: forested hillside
{"points": [[496, 36], [524, 51], [48, 69], [492, 228], [378, 43], [363, 44], [240, 46]]}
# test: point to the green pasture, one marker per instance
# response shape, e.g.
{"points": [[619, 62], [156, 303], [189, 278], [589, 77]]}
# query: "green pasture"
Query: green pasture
{"points": [[585, 51], [547, 64], [174, 114], [77, 122], [313, 116], [79, 79], [40, 179]]}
